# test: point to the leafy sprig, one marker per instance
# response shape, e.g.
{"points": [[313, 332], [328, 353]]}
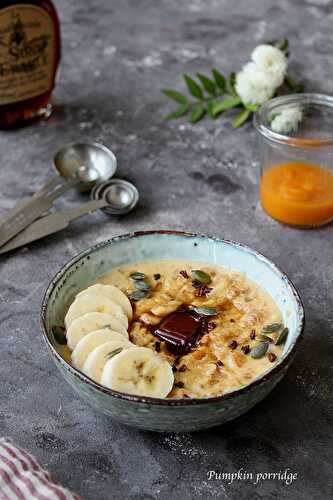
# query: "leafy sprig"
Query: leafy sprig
{"points": [[215, 94]]}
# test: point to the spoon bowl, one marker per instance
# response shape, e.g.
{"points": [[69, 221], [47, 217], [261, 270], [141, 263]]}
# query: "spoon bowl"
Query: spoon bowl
{"points": [[92, 162], [87, 175], [121, 196]]}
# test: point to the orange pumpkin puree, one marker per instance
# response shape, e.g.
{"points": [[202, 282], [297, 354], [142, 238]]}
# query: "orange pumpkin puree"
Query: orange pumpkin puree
{"points": [[298, 193]]}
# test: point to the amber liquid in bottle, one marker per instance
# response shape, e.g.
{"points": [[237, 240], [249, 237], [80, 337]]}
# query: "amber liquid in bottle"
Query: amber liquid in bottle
{"points": [[29, 58]]}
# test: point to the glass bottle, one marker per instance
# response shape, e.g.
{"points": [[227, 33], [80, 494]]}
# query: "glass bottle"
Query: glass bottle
{"points": [[29, 58]]}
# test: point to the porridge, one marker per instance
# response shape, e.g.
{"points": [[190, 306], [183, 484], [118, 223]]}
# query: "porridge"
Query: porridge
{"points": [[235, 316], [174, 328]]}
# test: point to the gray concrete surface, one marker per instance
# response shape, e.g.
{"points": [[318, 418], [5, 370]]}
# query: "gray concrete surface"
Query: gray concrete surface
{"points": [[116, 58]]}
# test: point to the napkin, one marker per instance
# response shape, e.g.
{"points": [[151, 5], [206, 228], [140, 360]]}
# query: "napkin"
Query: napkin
{"points": [[23, 478]]}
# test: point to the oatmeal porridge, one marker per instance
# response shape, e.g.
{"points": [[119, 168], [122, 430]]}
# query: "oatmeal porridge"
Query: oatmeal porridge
{"points": [[216, 329]]}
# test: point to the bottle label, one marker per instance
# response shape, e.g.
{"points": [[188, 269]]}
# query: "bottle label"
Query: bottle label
{"points": [[27, 51]]}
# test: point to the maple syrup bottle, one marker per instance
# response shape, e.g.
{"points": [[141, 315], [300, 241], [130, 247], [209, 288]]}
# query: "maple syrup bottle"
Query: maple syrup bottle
{"points": [[29, 58]]}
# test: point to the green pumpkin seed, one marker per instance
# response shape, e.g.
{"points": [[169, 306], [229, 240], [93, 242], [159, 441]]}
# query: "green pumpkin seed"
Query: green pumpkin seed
{"points": [[259, 350], [137, 295], [136, 276], [113, 353], [142, 285], [201, 276], [59, 334], [282, 336], [274, 327], [265, 338], [205, 311], [105, 326]]}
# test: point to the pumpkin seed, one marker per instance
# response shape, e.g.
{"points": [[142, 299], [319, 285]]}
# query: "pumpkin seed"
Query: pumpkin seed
{"points": [[282, 336], [136, 276], [105, 326], [59, 334], [201, 276], [274, 327], [113, 353], [265, 338], [259, 350], [137, 295], [205, 311], [142, 285]]}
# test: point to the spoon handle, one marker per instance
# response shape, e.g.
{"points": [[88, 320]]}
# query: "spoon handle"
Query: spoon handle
{"points": [[55, 188], [50, 224], [85, 208], [29, 210]]}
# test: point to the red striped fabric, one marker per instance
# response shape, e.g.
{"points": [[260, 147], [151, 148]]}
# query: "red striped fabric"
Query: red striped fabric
{"points": [[23, 478]]}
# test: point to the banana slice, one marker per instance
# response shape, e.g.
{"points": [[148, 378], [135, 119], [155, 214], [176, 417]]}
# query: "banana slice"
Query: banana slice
{"points": [[94, 302], [140, 371], [91, 322], [95, 362], [93, 340], [113, 293]]}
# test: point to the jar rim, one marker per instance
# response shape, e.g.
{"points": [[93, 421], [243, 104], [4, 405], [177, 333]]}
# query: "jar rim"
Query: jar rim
{"points": [[292, 99]]}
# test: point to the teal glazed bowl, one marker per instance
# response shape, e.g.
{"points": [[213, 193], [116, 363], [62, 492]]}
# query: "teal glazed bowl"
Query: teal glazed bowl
{"points": [[172, 415]]}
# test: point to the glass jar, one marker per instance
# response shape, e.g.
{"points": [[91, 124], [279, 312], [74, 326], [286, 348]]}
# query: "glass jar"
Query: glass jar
{"points": [[29, 58], [296, 143]]}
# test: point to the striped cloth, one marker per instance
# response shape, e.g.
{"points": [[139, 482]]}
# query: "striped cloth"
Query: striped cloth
{"points": [[23, 478]]}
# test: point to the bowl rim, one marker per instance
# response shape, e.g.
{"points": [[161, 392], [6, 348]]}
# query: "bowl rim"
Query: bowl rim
{"points": [[173, 401]]}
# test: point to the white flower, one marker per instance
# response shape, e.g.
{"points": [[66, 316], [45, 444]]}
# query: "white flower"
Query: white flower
{"points": [[254, 85], [271, 60], [287, 120], [259, 79]]}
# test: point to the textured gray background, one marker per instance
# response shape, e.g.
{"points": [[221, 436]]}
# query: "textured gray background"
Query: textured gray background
{"points": [[116, 58]]}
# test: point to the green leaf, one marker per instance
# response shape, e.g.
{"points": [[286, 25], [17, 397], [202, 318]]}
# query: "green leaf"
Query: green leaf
{"points": [[208, 84], [251, 107], [230, 101], [197, 113], [293, 85], [175, 95], [181, 111], [231, 83], [290, 82], [299, 89], [282, 44], [219, 79], [210, 107], [193, 88], [240, 118]]}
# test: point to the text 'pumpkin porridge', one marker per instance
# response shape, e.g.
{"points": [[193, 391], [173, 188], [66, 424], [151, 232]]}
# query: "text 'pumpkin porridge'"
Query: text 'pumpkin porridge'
{"points": [[173, 328]]}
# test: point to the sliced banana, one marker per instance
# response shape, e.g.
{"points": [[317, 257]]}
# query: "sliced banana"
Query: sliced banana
{"points": [[94, 302], [91, 322], [94, 339], [113, 293], [140, 371], [95, 362]]}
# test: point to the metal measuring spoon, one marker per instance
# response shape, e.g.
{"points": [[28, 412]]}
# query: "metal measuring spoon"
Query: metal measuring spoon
{"points": [[121, 196], [116, 197], [81, 164], [69, 159]]}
